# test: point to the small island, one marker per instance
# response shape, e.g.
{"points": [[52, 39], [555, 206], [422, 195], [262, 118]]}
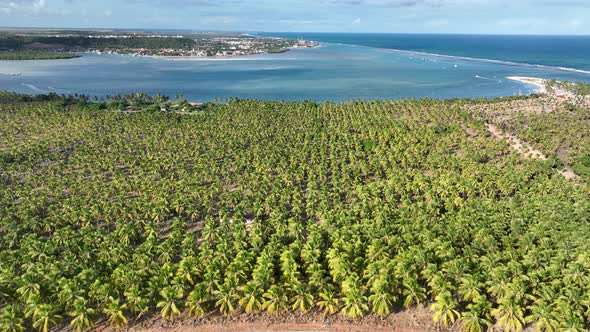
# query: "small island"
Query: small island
{"points": [[52, 44]]}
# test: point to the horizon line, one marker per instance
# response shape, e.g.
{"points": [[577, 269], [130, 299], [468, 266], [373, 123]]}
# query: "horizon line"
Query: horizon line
{"points": [[293, 31]]}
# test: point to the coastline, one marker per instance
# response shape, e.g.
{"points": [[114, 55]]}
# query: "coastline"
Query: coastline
{"points": [[539, 83], [244, 57], [211, 58]]}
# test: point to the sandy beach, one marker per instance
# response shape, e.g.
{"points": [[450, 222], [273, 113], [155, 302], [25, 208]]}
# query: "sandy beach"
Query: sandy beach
{"points": [[541, 84], [538, 82]]}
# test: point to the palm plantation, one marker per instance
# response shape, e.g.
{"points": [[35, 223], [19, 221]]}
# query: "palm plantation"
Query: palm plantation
{"points": [[345, 210]]}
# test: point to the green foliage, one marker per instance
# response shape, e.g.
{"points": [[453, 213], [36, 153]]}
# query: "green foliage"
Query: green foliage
{"points": [[329, 302], [35, 55], [252, 299], [84, 42], [445, 309], [226, 296], [351, 209], [81, 316], [276, 300], [170, 295], [577, 88], [45, 317], [11, 320], [115, 312], [582, 166], [560, 133], [277, 50], [197, 301]]}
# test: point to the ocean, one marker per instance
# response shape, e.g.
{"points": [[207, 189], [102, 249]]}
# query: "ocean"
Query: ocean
{"points": [[564, 52], [346, 66]]}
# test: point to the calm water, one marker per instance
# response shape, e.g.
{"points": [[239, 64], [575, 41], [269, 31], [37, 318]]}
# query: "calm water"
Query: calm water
{"points": [[568, 52], [336, 71]]}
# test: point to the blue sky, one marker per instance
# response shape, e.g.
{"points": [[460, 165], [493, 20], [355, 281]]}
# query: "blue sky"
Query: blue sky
{"points": [[428, 16]]}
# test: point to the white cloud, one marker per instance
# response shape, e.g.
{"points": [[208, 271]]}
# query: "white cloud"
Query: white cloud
{"points": [[294, 22], [22, 6], [357, 21]]}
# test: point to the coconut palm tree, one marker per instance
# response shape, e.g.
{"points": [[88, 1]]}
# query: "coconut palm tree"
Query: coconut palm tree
{"points": [[329, 301], [196, 301], [115, 311], [252, 298], [170, 296], [81, 315], [45, 316], [542, 316], [276, 300], [302, 300], [381, 298], [355, 302], [414, 293], [444, 309], [11, 320], [509, 315], [137, 302], [226, 296]]}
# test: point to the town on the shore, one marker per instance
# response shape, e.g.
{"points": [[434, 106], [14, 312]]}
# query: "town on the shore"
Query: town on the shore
{"points": [[199, 44]]}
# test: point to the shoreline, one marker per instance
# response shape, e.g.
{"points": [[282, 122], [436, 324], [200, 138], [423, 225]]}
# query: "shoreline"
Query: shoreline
{"points": [[207, 58], [243, 57], [539, 83]]}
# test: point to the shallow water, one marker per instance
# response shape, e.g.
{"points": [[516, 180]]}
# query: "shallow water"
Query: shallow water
{"points": [[331, 72]]}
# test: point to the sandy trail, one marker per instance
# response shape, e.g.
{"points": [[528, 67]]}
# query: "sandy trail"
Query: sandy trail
{"points": [[416, 319], [523, 148], [526, 150], [261, 327]]}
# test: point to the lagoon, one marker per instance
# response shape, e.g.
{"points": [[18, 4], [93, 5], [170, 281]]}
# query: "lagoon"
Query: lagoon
{"points": [[331, 72]]}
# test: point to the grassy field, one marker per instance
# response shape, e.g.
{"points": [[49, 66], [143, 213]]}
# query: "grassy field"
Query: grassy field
{"points": [[346, 210]]}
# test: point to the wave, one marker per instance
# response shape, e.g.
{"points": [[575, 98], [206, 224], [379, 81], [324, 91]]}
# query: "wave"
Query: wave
{"points": [[34, 88], [499, 62], [471, 59], [488, 79]]}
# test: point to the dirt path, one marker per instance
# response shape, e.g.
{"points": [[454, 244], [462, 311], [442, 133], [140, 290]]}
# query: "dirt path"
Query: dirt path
{"points": [[416, 319], [526, 150], [568, 173], [523, 148], [262, 327]]}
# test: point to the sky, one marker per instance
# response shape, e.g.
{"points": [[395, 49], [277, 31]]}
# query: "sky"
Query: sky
{"points": [[390, 16]]}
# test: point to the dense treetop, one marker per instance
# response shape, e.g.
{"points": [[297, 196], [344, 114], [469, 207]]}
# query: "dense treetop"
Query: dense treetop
{"points": [[350, 208], [36, 55], [84, 42]]}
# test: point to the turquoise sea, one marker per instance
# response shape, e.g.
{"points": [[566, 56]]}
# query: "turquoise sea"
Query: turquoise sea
{"points": [[346, 66]]}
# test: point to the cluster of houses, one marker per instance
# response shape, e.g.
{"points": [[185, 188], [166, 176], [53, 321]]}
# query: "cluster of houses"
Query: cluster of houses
{"points": [[221, 46]]}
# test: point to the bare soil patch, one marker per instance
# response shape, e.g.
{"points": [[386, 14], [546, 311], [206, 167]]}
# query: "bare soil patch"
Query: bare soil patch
{"points": [[417, 319]]}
